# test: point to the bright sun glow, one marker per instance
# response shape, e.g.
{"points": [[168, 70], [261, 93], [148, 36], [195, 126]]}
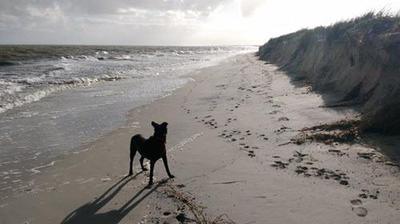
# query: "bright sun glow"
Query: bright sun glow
{"points": [[264, 19]]}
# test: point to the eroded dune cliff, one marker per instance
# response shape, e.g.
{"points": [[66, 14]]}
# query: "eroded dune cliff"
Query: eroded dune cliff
{"points": [[358, 61]]}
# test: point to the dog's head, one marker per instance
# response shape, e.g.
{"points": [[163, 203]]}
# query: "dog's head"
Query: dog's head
{"points": [[160, 130]]}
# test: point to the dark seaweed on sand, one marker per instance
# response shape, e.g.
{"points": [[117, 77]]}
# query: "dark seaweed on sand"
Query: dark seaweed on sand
{"points": [[343, 131]]}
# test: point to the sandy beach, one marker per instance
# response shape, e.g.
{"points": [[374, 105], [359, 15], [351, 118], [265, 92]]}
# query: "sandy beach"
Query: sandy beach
{"points": [[230, 147]]}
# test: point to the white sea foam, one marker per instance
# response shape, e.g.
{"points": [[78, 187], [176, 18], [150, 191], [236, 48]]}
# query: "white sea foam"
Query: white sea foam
{"points": [[185, 141], [49, 88], [9, 88], [80, 151], [37, 169]]}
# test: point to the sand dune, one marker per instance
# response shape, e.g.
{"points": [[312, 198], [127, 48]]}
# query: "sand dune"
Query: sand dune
{"points": [[355, 61]]}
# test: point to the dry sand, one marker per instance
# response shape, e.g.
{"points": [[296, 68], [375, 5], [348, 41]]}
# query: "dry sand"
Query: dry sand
{"points": [[226, 129]]}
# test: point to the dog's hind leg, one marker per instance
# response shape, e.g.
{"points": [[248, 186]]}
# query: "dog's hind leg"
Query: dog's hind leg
{"points": [[132, 156], [165, 161], [141, 163], [152, 163]]}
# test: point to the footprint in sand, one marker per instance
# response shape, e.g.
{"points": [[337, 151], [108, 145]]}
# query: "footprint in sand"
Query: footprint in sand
{"points": [[283, 119], [367, 194], [356, 202], [263, 137], [362, 195], [360, 211], [251, 154], [274, 112], [279, 164], [181, 185], [356, 208], [281, 130]]}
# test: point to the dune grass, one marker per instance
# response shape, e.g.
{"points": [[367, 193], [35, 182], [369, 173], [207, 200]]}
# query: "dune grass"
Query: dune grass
{"points": [[357, 61]]}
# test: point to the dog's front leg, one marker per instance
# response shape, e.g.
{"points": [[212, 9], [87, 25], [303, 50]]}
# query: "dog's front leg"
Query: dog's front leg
{"points": [[152, 163], [165, 161]]}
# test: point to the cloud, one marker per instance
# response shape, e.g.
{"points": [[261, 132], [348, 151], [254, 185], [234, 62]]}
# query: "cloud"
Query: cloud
{"points": [[247, 7], [22, 13], [102, 7], [62, 21]]}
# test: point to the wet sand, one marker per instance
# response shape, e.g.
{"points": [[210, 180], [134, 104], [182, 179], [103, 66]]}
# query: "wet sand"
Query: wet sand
{"points": [[228, 148]]}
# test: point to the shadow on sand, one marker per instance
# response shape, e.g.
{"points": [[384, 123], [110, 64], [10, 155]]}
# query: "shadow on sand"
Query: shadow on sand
{"points": [[88, 213], [330, 97]]}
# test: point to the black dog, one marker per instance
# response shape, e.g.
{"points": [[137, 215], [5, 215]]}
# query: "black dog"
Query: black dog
{"points": [[152, 149]]}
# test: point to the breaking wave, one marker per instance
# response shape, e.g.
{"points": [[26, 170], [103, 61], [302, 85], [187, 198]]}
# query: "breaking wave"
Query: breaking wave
{"points": [[30, 73], [15, 94]]}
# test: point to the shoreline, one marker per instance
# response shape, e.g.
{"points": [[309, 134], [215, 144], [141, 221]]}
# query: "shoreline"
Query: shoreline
{"points": [[63, 130], [225, 129]]}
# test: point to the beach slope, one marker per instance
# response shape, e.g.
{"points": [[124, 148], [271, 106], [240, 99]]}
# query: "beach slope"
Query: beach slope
{"points": [[230, 146]]}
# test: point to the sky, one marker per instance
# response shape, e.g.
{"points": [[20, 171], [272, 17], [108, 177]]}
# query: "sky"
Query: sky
{"points": [[171, 22]]}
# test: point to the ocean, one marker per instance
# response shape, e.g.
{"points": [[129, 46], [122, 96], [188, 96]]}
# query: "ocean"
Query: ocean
{"points": [[54, 99]]}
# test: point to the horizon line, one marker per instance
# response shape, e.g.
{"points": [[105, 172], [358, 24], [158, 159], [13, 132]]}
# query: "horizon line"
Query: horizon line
{"points": [[128, 45]]}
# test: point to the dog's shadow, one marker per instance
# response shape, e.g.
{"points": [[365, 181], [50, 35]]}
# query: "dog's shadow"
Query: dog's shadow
{"points": [[87, 213]]}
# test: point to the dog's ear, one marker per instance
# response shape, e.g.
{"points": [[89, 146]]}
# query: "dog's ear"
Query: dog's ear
{"points": [[154, 124], [164, 124]]}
